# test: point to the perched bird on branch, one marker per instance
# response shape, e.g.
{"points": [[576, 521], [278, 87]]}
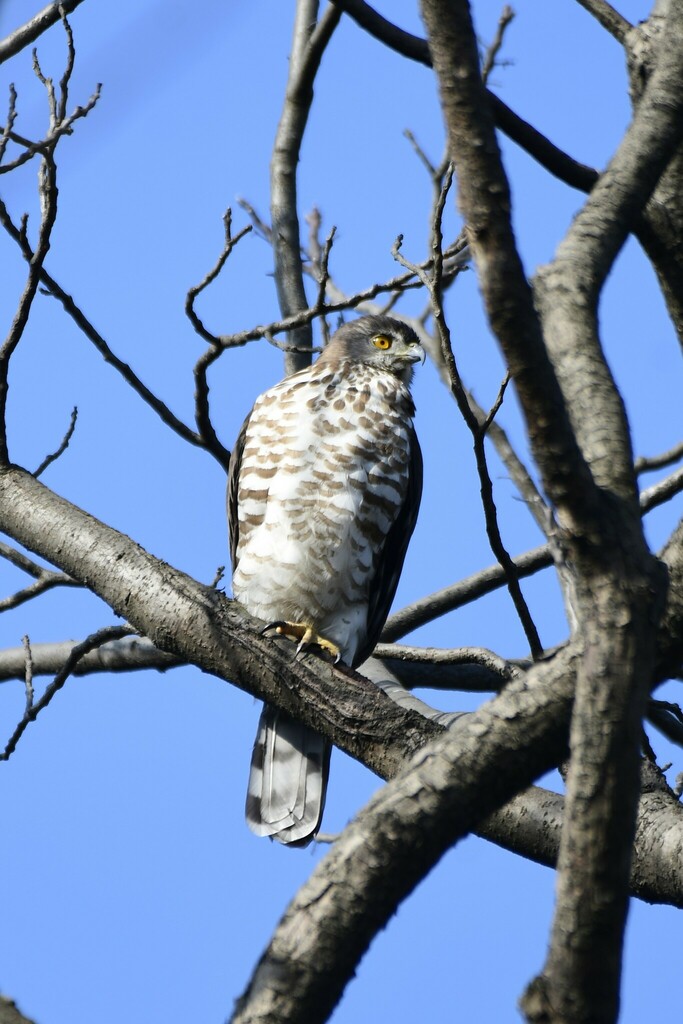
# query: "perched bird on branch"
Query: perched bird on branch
{"points": [[324, 488]]}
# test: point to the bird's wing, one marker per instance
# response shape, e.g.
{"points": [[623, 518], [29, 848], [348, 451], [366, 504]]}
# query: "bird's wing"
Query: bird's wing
{"points": [[385, 581], [233, 490]]}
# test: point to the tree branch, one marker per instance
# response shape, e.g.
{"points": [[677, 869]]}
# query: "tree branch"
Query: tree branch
{"points": [[608, 17], [9, 1011], [29, 32], [616, 580], [48, 201], [102, 636], [308, 46], [93, 335], [63, 445], [393, 843], [432, 283]]}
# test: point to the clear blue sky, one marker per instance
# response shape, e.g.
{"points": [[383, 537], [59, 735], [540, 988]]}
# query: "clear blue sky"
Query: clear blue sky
{"points": [[131, 888]]}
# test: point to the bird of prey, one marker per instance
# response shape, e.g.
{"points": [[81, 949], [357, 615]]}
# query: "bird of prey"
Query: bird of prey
{"points": [[324, 487]]}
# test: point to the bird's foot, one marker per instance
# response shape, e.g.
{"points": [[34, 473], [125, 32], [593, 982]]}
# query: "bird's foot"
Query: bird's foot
{"points": [[306, 636]]}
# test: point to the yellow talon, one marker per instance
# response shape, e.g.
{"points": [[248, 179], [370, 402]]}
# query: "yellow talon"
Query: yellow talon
{"points": [[306, 637]]}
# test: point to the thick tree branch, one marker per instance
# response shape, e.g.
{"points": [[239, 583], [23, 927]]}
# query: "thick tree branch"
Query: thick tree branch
{"points": [[29, 32], [9, 1011], [485, 202], [608, 17], [531, 824], [582, 972], [199, 625], [615, 579], [396, 839], [569, 287]]}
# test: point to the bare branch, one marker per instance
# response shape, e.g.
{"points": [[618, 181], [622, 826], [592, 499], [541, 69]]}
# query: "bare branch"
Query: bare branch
{"points": [[28, 673], [608, 17], [458, 594], [29, 32], [645, 464], [9, 124], [102, 636], [432, 283], [531, 824], [205, 425], [310, 40], [444, 656], [211, 276], [47, 145], [49, 459], [489, 62], [48, 197], [93, 335], [47, 580], [662, 491], [134, 653], [584, 259], [20, 560]]}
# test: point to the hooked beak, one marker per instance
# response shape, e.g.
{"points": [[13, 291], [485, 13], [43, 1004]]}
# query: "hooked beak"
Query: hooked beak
{"points": [[416, 353]]}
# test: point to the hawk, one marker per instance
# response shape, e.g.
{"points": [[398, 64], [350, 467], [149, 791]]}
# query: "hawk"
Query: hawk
{"points": [[324, 487]]}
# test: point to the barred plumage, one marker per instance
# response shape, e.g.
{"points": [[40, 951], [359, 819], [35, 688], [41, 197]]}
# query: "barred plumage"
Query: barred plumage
{"points": [[325, 483]]}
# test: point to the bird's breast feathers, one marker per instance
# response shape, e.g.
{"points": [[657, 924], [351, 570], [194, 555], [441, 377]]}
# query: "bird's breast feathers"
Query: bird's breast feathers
{"points": [[323, 475]]}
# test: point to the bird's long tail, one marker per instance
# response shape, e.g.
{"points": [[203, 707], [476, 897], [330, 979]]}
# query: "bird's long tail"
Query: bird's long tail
{"points": [[287, 779]]}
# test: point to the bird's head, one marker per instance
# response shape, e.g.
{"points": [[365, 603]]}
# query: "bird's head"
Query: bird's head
{"points": [[379, 341]]}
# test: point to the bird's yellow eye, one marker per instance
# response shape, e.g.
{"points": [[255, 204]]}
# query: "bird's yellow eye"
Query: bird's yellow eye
{"points": [[381, 341]]}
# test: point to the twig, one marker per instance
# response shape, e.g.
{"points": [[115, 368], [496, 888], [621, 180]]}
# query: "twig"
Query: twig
{"points": [[489, 417], [9, 124], [46, 145], [48, 199], [262, 229], [93, 335], [488, 64], [433, 284], [205, 428], [49, 459], [322, 267], [283, 346], [644, 464], [28, 673], [193, 292], [20, 560], [422, 156], [46, 581], [102, 636]]}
